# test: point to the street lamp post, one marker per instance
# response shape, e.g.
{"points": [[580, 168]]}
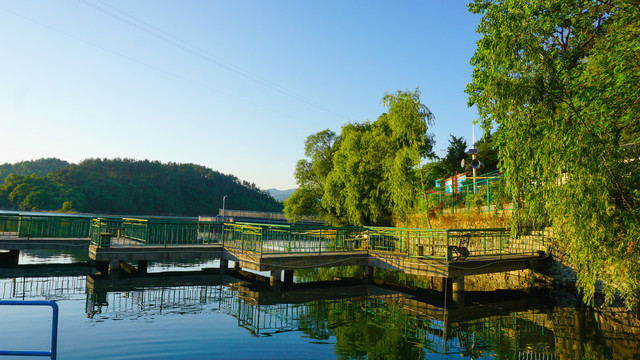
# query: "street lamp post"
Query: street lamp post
{"points": [[224, 198]]}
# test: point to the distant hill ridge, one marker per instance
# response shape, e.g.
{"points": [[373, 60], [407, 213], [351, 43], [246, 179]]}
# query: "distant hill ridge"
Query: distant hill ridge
{"points": [[280, 195], [126, 186]]}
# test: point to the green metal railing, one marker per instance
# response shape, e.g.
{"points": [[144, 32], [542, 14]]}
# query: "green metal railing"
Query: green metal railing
{"points": [[29, 226], [156, 232], [263, 239], [452, 244], [159, 232], [9, 224], [490, 195], [282, 239]]}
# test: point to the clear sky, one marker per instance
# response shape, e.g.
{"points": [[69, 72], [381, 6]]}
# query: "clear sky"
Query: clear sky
{"points": [[236, 86]]}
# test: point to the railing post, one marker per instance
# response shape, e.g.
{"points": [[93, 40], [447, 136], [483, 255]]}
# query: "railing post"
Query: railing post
{"points": [[54, 328], [447, 251], [485, 242], [500, 243], [488, 197]]}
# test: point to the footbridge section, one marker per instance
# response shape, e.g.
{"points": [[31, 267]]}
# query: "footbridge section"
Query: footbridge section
{"points": [[125, 243]]}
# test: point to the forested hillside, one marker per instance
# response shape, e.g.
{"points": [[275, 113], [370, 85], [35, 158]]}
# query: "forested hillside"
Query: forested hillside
{"points": [[124, 186], [41, 167]]}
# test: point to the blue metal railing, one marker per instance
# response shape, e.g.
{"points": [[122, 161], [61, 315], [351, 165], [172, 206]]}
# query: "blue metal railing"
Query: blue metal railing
{"points": [[54, 328]]}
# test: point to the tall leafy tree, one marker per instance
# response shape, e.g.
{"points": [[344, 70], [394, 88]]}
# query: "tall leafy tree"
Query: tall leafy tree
{"points": [[352, 190], [487, 152], [456, 151], [561, 80], [409, 143], [371, 172], [311, 174]]}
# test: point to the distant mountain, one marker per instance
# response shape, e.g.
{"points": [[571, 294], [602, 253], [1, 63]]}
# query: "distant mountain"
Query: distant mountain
{"points": [[280, 195], [40, 167], [126, 186]]}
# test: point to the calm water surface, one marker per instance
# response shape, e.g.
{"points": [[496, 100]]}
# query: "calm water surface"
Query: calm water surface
{"points": [[203, 315]]}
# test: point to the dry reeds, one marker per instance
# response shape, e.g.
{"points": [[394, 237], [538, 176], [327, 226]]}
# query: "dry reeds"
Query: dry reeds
{"points": [[459, 220]]}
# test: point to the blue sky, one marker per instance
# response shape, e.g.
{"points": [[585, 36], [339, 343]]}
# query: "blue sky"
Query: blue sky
{"points": [[236, 86]]}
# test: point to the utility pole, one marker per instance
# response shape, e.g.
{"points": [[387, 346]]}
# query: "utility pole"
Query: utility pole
{"points": [[475, 185], [473, 157]]}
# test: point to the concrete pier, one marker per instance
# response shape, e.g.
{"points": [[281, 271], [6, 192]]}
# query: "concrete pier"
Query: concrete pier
{"points": [[10, 258], [224, 264], [457, 290], [288, 277], [275, 279], [367, 273], [142, 266]]}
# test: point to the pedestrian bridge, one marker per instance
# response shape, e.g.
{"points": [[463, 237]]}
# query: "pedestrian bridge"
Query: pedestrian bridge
{"points": [[114, 243]]}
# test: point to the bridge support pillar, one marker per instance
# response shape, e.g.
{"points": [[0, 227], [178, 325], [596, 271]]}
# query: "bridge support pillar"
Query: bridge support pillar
{"points": [[274, 279], [288, 277], [236, 265], [446, 285], [367, 273], [10, 258], [457, 290], [114, 266], [101, 266], [224, 264], [142, 266]]}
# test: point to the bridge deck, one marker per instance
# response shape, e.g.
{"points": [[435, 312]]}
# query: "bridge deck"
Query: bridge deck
{"points": [[294, 261], [155, 252], [13, 242], [283, 261]]}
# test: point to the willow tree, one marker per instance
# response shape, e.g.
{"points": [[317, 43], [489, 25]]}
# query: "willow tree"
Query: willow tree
{"points": [[409, 142], [561, 80], [370, 173], [352, 189]]}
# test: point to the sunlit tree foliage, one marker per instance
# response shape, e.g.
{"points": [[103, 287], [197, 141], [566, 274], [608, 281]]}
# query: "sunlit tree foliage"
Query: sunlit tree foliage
{"points": [[561, 81]]}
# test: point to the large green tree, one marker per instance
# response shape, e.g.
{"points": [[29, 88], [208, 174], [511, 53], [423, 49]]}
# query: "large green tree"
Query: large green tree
{"points": [[311, 174], [456, 151], [353, 191], [370, 173], [409, 143], [561, 80]]}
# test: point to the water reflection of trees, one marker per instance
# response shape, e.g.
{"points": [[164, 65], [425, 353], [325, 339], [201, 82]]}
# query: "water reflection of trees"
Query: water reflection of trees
{"points": [[390, 325]]}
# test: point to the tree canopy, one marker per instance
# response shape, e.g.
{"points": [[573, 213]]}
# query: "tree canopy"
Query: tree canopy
{"points": [[40, 167], [561, 81], [370, 172]]}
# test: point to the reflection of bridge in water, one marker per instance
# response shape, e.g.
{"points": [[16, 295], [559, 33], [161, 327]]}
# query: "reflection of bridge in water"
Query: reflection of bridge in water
{"points": [[430, 324], [49, 288], [417, 321], [427, 323]]}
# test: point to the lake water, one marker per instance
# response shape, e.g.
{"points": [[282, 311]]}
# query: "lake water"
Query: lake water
{"points": [[179, 313]]}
